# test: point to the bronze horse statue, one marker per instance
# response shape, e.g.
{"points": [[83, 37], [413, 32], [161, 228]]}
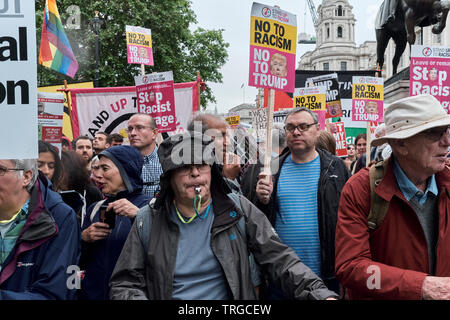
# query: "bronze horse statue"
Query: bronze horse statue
{"points": [[396, 19]]}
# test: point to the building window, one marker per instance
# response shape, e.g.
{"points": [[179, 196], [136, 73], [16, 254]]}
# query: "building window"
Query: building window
{"points": [[343, 66], [326, 66], [339, 11], [339, 32]]}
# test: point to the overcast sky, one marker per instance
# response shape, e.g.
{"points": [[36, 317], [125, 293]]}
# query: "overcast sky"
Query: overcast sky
{"points": [[234, 17]]}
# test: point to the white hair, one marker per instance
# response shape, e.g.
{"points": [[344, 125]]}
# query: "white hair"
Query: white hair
{"points": [[26, 165]]}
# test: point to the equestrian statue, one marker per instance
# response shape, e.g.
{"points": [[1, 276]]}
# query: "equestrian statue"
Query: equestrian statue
{"points": [[396, 19]]}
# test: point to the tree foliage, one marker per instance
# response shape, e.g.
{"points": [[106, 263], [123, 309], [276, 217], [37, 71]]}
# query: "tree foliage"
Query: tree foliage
{"points": [[175, 47]]}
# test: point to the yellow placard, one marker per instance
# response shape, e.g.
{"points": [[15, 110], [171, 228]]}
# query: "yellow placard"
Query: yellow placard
{"points": [[67, 125], [233, 121], [139, 39], [368, 91], [273, 35]]}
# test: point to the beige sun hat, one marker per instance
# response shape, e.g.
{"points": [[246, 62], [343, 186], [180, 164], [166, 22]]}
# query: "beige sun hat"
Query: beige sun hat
{"points": [[410, 116]]}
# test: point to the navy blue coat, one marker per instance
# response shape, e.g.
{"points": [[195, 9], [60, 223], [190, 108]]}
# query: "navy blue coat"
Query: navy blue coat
{"points": [[44, 260], [98, 259]]}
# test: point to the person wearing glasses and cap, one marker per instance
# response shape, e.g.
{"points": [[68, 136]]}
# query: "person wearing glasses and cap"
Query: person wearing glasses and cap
{"points": [[302, 196], [194, 242], [406, 255]]}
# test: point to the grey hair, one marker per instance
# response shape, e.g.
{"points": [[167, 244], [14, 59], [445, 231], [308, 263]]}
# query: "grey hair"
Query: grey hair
{"points": [[302, 109], [26, 165]]}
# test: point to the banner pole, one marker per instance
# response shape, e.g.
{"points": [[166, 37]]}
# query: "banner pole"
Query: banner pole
{"points": [[198, 91], [268, 153], [142, 69]]}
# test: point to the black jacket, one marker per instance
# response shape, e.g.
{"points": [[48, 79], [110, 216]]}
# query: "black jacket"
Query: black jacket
{"points": [[333, 176]]}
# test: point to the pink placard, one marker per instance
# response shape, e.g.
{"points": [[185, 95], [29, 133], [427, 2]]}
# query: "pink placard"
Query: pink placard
{"points": [[271, 69], [367, 110], [155, 96]]}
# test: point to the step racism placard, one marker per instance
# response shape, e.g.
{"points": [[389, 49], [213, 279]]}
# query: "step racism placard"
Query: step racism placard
{"points": [[155, 96], [430, 73], [368, 99], [139, 45], [273, 45], [18, 80]]}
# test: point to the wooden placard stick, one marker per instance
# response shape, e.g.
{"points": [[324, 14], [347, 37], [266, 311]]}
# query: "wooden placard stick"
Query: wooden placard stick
{"points": [[268, 153]]}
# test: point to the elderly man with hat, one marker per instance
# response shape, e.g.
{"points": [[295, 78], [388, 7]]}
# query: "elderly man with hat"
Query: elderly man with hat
{"points": [[406, 254], [194, 242]]}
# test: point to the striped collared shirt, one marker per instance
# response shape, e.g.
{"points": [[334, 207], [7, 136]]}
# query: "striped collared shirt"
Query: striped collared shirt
{"points": [[151, 171]]}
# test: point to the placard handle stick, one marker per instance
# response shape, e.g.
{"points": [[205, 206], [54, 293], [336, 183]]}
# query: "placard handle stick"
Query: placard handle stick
{"points": [[268, 153], [368, 140], [143, 69]]}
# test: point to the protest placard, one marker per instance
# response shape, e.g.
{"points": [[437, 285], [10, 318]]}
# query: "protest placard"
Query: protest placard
{"points": [[273, 45], [333, 96], [233, 119], [337, 129], [313, 98], [50, 117], [430, 73], [155, 94], [18, 81], [139, 45], [368, 99]]}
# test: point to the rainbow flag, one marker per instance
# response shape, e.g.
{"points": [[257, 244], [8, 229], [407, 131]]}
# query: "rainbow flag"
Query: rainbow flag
{"points": [[56, 52]]}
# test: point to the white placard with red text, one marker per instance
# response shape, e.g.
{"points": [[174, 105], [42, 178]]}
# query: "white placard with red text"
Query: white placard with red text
{"points": [[155, 96]]}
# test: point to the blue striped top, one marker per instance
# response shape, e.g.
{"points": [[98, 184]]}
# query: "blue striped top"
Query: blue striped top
{"points": [[297, 222]]}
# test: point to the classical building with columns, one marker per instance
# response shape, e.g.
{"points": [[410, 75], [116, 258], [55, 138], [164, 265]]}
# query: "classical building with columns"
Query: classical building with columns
{"points": [[335, 47]]}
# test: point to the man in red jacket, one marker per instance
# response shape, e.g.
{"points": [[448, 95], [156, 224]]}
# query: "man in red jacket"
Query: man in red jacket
{"points": [[408, 255]]}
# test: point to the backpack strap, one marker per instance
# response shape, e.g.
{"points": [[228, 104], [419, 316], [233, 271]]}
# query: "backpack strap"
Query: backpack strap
{"points": [[95, 209], [254, 268], [378, 206], [144, 225]]}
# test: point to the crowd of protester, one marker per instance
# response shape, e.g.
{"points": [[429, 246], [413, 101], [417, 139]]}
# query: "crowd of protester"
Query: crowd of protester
{"points": [[195, 216]]}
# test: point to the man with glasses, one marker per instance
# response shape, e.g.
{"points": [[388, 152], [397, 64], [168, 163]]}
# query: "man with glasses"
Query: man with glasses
{"points": [[199, 238], [39, 236], [142, 133], [405, 253], [302, 196]]}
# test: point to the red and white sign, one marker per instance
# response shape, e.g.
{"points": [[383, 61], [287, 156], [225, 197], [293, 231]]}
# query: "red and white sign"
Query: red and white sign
{"points": [[338, 131], [109, 109], [430, 73], [50, 117], [155, 93]]}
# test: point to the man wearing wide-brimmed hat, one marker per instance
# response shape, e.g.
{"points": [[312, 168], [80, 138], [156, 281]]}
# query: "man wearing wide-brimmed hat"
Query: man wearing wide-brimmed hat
{"points": [[407, 256]]}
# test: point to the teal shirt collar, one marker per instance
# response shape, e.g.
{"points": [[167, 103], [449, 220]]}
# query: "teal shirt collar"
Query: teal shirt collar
{"points": [[408, 188]]}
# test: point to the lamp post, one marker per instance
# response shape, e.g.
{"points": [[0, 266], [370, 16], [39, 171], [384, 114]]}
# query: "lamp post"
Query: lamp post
{"points": [[96, 23]]}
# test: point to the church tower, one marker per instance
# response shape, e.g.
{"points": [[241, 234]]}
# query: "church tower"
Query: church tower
{"points": [[335, 41], [336, 23]]}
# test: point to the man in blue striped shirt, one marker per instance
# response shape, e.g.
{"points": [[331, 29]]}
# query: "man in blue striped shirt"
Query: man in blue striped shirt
{"points": [[302, 198], [142, 132]]}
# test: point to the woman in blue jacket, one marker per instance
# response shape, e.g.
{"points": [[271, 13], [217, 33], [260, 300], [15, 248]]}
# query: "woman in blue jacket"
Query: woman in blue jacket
{"points": [[119, 178]]}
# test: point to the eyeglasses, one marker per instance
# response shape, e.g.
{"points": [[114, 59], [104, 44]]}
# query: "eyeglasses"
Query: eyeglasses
{"points": [[137, 128], [302, 127], [436, 134], [3, 170], [187, 169]]}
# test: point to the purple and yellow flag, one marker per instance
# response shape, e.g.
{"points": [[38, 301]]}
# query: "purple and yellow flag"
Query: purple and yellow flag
{"points": [[56, 52]]}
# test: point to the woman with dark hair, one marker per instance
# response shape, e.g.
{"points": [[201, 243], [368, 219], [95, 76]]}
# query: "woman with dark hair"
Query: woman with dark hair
{"points": [[77, 189], [49, 163]]}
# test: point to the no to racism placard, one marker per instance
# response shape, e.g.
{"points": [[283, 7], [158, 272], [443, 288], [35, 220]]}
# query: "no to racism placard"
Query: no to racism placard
{"points": [[313, 98], [273, 45], [155, 94], [18, 80], [233, 119], [139, 45], [368, 99], [330, 81], [430, 73]]}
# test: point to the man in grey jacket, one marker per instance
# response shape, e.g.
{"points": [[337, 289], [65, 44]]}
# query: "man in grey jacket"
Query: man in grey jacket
{"points": [[190, 244]]}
